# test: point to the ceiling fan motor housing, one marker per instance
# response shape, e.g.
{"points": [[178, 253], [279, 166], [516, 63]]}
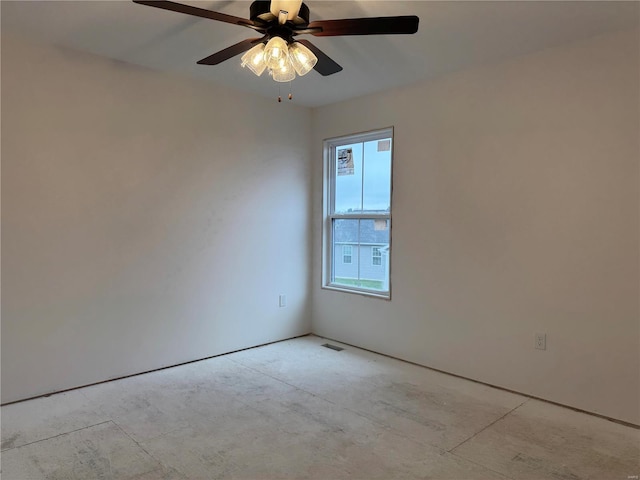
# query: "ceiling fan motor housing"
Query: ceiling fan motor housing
{"points": [[260, 11]]}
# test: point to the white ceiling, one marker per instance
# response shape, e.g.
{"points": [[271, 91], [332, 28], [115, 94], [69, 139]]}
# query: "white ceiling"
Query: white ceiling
{"points": [[452, 35]]}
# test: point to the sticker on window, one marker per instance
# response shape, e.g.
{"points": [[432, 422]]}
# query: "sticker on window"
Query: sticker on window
{"points": [[345, 162], [384, 145], [379, 225]]}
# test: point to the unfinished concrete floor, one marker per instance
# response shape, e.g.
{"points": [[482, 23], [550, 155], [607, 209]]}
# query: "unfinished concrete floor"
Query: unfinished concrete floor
{"points": [[297, 410]]}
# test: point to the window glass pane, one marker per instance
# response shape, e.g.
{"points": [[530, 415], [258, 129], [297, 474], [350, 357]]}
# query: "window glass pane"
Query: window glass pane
{"points": [[374, 244], [377, 175], [348, 178], [345, 239], [358, 183]]}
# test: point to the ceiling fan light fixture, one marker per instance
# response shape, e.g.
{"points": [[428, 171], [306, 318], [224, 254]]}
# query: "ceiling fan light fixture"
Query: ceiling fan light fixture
{"points": [[284, 72], [254, 59], [276, 53], [279, 22], [302, 59]]}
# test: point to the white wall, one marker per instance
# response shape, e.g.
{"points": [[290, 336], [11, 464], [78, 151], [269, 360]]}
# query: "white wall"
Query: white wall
{"points": [[515, 212], [147, 219]]}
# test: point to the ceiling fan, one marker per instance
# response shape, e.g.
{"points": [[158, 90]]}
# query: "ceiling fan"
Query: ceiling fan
{"points": [[280, 22]]}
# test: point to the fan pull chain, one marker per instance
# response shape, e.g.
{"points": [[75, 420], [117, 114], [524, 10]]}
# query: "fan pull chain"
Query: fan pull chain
{"points": [[290, 96]]}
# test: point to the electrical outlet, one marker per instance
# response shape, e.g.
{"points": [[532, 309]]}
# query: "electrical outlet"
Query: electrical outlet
{"points": [[541, 341], [282, 301]]}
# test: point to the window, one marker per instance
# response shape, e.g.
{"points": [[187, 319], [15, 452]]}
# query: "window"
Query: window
{"points": [[376, 256], [346, 253], [357, 213]]}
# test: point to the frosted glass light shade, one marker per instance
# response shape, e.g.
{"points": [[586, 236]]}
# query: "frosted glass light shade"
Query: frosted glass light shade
{"points": [[254, 59], [284, 72], [276, 53], [302, 59]]}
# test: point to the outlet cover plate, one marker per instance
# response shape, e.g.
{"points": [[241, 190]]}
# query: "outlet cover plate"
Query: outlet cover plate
{"points": [[541, 341]]}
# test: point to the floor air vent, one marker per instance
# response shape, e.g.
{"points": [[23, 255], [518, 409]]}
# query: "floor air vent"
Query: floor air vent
{"points": [[333, 347]]}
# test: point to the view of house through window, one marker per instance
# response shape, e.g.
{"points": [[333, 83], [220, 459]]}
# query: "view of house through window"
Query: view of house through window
{"points": [[358, 212], [346, 254], [376, 258]]}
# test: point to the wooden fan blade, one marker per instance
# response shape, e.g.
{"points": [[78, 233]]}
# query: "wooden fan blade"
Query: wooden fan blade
{"points": [[325, 65], [199, 12], [366, 26], [229, 52]]}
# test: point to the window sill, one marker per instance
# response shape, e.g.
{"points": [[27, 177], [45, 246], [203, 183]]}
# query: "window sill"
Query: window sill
{"points": [[357, 291]]}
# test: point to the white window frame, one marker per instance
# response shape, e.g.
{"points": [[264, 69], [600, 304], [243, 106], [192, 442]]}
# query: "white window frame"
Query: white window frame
{"points": [[329, 176], [350, 254]]}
